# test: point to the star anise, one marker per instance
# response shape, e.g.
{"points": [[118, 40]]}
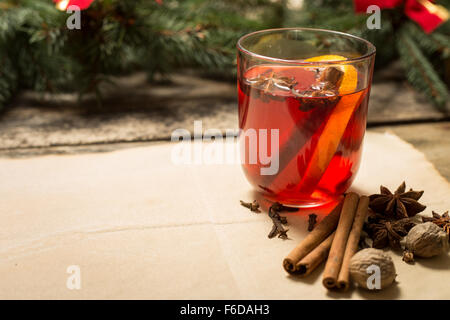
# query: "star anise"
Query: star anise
{"points": [[267, 81], [442, 221], [399, 204], [385, 232]]}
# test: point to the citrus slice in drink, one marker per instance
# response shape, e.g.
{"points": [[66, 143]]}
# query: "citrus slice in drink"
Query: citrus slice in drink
{"points": [[335, 126]]}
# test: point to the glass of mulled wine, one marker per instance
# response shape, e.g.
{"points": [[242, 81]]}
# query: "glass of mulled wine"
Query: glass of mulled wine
{"points": [[303, 96]]}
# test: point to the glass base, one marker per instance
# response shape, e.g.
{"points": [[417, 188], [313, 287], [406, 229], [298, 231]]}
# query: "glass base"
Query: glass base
{"points": [[303, 203]]}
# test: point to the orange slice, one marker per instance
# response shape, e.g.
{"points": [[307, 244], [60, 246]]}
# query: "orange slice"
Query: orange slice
{"points": [[350, 79], [334, 128], [329, 141], [326, 57]]}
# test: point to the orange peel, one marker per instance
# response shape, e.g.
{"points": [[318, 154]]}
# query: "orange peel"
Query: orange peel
{"points": [[335, 127], [329, 140]]}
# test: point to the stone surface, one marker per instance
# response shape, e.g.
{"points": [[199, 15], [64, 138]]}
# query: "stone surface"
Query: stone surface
{"points": [[132, 111], [393, 100]]}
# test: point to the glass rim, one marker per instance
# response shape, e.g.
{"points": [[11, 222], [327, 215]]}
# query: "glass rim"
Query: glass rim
{"points": [[370, 46]]}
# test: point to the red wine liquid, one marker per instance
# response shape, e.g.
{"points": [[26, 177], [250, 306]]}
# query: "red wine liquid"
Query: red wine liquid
{"points": [[317, 162]]}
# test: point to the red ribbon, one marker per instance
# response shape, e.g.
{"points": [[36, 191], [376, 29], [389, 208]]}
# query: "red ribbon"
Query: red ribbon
{"points": [[427, 14], [82, 4]]}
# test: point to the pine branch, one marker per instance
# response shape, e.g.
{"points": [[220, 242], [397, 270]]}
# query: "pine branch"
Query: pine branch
{"points": [[8, 80], [118, 36], [444, 43], [420, 72], [430, 43], [122, 36]]}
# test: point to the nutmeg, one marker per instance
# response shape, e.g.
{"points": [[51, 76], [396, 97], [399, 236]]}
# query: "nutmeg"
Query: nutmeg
{"points": [[365, 262], [426, 240]]}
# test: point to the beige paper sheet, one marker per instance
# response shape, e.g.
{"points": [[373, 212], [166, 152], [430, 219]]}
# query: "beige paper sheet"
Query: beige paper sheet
{"points": [[140, 227]]}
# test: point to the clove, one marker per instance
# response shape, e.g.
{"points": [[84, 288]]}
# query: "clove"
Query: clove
{"points": [[279, 221], [253, 206]]}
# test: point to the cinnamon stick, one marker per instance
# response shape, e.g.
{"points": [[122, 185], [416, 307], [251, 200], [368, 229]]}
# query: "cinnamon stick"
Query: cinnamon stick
{"points": [[337, 250], [312, 240], [329, 141], [315, 257], [352, 243], [298, 140]]}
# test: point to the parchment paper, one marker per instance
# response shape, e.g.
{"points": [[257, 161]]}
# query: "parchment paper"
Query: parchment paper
{"points": [[139, 226]]}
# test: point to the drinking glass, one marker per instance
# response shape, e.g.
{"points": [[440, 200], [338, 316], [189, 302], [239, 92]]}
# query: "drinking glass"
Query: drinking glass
{"points": [[303, 96]]}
